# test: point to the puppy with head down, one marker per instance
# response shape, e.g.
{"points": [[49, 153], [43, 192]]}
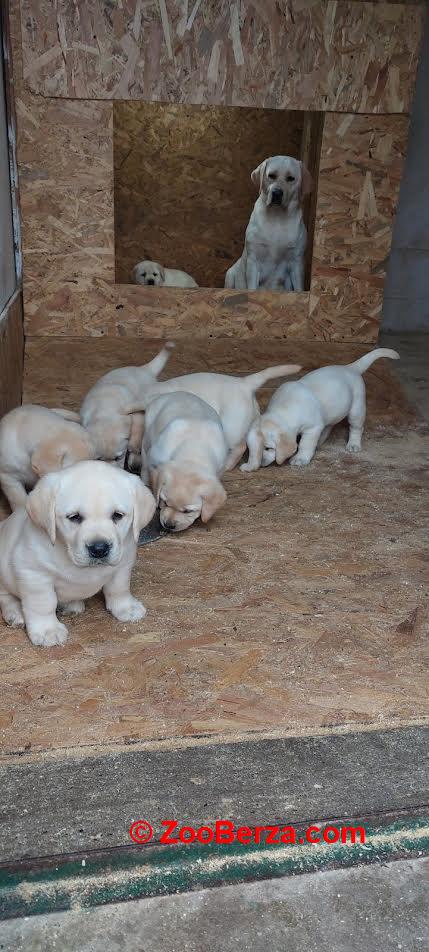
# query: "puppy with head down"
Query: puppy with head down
{"points": [[300, 415], [35, 441], [184, 453], [110, 409], [152, 274], [276, 236], [77, 535]]}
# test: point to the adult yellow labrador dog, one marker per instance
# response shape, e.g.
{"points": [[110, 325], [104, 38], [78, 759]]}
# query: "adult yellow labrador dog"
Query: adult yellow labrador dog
{"points": [[276, 236], [77, 535]]}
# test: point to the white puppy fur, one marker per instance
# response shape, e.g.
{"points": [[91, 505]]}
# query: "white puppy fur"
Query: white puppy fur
{"points": [[151, 273], [233, 398], [110, 409], [276, 237], [310, 408], [35, 441], [77, 535], [184, 453]]}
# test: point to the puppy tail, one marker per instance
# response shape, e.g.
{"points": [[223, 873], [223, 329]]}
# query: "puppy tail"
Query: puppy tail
{"points": [[364, 362], [158, 363], [254, 381]]}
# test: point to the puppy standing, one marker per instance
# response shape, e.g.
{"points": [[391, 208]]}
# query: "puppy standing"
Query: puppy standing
{"points": [[233, 399], [310, 408], [152, 274], [184, 453], [77, 535], [110, 409], [35, 441], [276, 236]]}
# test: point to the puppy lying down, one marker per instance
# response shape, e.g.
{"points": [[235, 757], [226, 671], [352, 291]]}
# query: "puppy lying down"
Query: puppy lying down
{"points": [[183, 455], [77, 535], [310, 408], [35, 441], [109, 410], [152, 274], [233, 399]]}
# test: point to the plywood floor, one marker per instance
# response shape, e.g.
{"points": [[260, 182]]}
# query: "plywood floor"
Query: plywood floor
{"points": [[302, 605]]}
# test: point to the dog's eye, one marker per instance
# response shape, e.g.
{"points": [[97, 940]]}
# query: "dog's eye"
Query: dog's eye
{"points": [[290, 178], [75, 517], [117, 516], [272, 175]]}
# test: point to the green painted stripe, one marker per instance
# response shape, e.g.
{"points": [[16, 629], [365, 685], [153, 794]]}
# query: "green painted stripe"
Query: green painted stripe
{"points": [[161, 870]]}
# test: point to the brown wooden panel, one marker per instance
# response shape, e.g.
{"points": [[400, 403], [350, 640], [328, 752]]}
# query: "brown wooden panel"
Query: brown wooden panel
{"points": [[183, 194], [11, 354], [359, 176], [343, 56]]}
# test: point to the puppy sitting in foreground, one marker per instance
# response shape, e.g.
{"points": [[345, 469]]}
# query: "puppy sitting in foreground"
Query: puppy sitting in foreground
{"points": [[109, 410], [233, 399], [310, 408], [276, 237], [152, 274], [77, 535], [35, 441], [184, 453]]}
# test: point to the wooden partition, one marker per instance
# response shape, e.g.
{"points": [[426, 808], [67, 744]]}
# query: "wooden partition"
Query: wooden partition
{"points": [[353, 61]]}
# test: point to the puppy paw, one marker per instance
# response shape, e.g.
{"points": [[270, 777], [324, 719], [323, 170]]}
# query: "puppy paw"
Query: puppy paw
{"points": [[13, 616], [246, 468], [299, 461], [129, 610], [72, 608], [56, 634], [353, 447]]}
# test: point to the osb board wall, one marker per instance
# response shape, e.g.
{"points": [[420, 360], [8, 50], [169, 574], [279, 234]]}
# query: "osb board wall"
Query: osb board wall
{"points": [[66, 152], [11, 354], [183, 194], [320, 54]]}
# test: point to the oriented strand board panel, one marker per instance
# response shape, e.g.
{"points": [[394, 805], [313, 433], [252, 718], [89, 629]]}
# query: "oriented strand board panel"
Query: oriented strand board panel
{"points": [[248, 629], [343, 56], [359, 177], [11, 354], [183, 194]]}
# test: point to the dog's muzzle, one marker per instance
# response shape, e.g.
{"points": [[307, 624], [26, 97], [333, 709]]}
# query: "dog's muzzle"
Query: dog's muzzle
{"points": [[150, 281], [276, 196]]}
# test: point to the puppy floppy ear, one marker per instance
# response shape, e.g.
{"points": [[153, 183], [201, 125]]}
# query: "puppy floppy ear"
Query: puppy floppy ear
{"points": [[306, 181], [162, 272], [144, 507], [41, 505], [213, 498], [285, 448], [156, 479], [48, 457], [258, 174]]}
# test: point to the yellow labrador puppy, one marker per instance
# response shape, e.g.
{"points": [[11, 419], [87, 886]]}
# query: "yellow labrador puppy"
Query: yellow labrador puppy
{"points": [[77, 535], [109, 410], [276, 236], [35, 441], [233, 399], [184, 453], [152, 274]]}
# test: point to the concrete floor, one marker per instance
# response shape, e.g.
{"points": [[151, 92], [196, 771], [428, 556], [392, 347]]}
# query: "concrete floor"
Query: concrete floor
{"points": [[361, 909]]}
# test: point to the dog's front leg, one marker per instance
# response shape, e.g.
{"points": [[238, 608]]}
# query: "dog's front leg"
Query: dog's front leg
{"points": [[118, 598], [252, 273], [297, 274], [39, 605]]}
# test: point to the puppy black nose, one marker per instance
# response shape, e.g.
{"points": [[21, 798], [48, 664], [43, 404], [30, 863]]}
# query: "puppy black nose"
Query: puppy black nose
{"points": [[99, 549], [150, 281], [169, 525]]}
